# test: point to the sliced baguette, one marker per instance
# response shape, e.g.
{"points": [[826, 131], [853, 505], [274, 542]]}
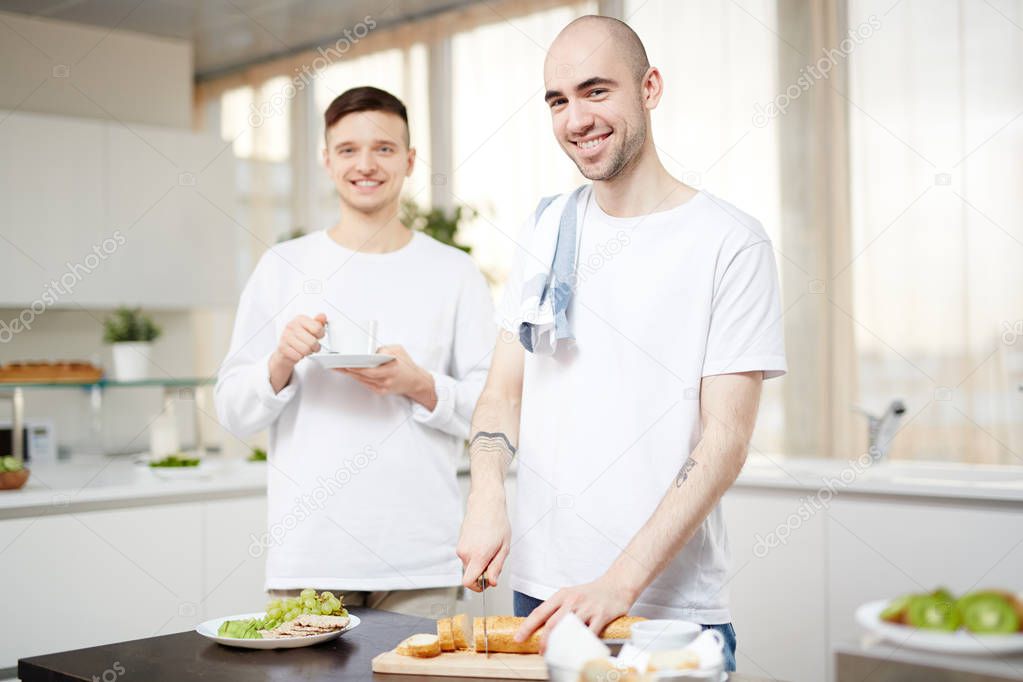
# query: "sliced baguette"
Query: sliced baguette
{"points": [[460, 631], [447, 639], [420, 646], [501, 636], [501, 633]]}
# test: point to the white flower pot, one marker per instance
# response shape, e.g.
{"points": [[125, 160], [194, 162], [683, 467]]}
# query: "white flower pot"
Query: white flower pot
{"points": [[131, 360]]}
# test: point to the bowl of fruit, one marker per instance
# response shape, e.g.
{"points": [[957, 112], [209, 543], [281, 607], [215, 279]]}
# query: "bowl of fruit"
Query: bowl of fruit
{"points": [[13, 473], [984, 621]]}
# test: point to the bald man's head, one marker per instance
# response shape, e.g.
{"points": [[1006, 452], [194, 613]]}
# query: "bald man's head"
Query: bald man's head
{"points": [[619, 36], [600, 89]]}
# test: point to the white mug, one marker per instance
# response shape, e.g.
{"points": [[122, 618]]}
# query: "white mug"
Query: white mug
{"points": [[349, 337]]}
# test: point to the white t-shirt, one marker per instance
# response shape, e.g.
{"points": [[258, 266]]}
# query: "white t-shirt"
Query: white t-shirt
{"points": [[362, 490], [607, 422]]}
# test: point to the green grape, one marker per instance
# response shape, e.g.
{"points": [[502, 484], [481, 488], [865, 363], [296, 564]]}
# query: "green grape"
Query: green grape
{"points": [[273, 604], [326, 595], [326, 610], [308, 592]]}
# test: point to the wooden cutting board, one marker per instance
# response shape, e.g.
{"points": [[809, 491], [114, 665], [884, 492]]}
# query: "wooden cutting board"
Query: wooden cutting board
{"points": [[464, 664]]}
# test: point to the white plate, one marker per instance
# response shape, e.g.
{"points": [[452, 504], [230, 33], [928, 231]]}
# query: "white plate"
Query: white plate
{"points": [[210, 627], [958, 642], [349, 361], [203, 470]]}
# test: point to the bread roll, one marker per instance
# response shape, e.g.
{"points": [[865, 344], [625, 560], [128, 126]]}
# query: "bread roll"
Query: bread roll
{"points": [[447, 639], [460, 631], [620, 628], [420, 646], [500, 636]]}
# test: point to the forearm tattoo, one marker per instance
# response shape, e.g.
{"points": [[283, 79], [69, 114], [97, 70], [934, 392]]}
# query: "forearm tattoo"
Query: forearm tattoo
{"points": [[683, 473], [487, 441]]}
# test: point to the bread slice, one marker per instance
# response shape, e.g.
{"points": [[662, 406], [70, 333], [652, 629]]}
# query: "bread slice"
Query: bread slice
{"points": [[501, 636], [447, 639], [620, 628], [460, 631], [420, 646]]}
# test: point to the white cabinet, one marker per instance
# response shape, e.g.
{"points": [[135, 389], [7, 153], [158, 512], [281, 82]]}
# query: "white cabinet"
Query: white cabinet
{"points": [[126, 213], [234, 565], [51, 195], [800, 569], [878, 549], [91, 578], [778, 594], [79, 580]]}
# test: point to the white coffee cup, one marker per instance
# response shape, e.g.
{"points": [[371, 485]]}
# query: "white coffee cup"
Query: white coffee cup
{"points": [[663, 635], [349, 337]]}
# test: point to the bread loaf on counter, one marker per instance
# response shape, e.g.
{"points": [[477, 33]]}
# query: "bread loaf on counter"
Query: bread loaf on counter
{"points": [[501, 634]]}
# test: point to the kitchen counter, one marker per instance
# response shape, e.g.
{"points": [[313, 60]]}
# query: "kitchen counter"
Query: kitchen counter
{"points": [[953, 481], [189, 656], [888, 661], [90, 483]]}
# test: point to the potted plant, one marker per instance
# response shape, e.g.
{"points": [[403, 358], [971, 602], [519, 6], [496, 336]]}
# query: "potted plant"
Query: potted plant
{"points": [[437, 223], [131, 335]]}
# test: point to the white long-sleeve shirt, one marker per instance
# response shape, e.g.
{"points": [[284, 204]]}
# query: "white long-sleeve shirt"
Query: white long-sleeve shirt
{"points": [[362, 491]]}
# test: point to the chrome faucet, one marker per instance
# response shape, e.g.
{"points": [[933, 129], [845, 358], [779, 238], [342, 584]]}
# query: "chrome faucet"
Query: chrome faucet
{"points": [[881, 430]]}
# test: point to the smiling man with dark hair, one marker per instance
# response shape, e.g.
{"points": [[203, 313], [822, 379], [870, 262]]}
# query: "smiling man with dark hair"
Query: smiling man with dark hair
{"points": [[362, 494], [628, 396]]}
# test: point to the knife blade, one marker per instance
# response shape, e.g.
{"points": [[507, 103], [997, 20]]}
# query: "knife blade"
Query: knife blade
{"points": [[486, 638]]}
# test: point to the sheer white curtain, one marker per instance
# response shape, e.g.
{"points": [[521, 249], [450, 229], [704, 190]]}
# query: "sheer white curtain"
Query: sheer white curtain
{"points": [[936, 143], [505, 157], [719, 60], [263, 171]]}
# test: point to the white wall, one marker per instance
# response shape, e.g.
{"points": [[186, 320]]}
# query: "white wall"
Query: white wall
{"points": [[58, 67]]}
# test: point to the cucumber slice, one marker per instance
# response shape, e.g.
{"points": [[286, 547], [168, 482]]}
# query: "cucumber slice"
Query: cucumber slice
{"points": [[988, 613], [933, 613]]}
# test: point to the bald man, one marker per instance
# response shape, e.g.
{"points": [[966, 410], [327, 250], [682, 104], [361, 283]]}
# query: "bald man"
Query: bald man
{"points": [[631, 425]]}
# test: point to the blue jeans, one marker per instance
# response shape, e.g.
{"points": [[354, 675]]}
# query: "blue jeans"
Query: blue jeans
{"points": [[524, 605]]}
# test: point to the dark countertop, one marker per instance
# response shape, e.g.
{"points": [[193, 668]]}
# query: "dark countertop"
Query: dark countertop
{"points": [[187, 655]]}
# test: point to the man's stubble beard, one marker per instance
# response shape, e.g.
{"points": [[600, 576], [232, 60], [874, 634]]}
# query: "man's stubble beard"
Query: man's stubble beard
{"points": [[620, 158]]}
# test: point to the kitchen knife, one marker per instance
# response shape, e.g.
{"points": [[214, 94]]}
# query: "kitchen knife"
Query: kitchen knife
{"points": [[483, 591]]}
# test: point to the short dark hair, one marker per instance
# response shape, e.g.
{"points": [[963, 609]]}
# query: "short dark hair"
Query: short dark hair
{"points": [[364, 98]]}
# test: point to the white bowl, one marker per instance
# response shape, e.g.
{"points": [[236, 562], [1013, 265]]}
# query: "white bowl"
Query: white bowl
{"points": [[664, 635], [716, 674]]}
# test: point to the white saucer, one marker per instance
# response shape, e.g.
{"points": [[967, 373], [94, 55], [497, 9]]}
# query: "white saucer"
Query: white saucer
{"points": [[350, 361]]}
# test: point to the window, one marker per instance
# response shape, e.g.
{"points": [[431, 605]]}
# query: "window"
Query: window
{"points": [[257, 122], [936, 139], [702, 126], [923, 214], [505, 155]]}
